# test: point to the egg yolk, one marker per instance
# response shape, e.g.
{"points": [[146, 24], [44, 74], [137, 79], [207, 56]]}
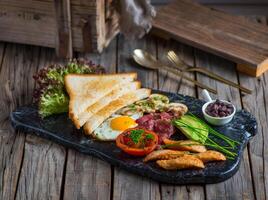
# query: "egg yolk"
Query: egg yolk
{"points": [[122, 123]]}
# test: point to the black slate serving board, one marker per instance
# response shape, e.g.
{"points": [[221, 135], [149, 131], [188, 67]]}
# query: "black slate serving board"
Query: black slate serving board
{"points": [[60, 129]]}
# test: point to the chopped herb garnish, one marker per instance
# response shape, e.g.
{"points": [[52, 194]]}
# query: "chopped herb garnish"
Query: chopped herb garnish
{"points": [[132, 107], [135, 135], [149, 136]]}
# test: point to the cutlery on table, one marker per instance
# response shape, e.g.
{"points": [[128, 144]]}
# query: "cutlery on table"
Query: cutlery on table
{"points": [[184, 67], [147, 60]]}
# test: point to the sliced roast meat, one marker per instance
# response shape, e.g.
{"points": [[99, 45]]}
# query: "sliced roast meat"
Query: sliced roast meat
{"points": [[160, 123], [146, 122], [164, 129], [165, 115]]}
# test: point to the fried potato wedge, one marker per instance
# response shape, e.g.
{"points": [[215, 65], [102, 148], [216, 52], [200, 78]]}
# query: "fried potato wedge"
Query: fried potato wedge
{"points": [[185, 145], [210, 156], [183, 162], [164, 154]]}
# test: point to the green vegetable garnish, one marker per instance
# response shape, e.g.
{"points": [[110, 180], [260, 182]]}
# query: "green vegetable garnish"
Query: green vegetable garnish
{"points": [[132, 107], [50, 94], [135, 135], [155, 102], [54, 101], [198, 136], [149, 136], [197, 130], [159, 98]]}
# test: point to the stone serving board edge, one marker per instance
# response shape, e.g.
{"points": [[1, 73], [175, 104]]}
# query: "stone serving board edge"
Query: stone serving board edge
{"points": [[60, 129]]}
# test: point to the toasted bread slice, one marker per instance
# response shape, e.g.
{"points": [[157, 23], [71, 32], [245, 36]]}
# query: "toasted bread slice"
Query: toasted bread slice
{"points": [[113, 106], [86, 89], [113, 95]]}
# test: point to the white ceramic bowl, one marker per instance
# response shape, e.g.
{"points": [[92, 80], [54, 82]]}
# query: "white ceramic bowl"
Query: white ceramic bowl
{"points": [[218, 121]]}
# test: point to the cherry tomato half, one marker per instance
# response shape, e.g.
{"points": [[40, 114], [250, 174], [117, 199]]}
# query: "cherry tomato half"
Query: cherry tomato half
{"points": [[137, 146]]}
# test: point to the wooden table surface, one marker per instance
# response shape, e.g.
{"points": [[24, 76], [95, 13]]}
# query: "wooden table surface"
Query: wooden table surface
{"points": [[35, 168]]}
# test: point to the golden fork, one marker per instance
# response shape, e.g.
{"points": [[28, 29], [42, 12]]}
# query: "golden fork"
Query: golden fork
{"points": [[184, 67]]}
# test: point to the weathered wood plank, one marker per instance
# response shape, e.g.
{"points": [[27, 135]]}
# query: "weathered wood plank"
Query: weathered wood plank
{"points": [[216, 32], [88, 177], [65, 25], [257, 104], [2, 49], [43, 162], [64, 44], [240, 185], [18, 17], [170, 82], [128, 186], [42, 170], [16, 90]]}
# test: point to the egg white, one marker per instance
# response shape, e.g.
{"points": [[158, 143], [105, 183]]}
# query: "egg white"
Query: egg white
{"points": [[106, 133]]}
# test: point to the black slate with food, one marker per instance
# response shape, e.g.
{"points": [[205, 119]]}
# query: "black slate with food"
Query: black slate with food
{"points": [[60, 129]]}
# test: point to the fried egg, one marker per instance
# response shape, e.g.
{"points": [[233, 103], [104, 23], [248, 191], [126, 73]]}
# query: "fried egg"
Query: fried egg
{"points": [[115, 125]]}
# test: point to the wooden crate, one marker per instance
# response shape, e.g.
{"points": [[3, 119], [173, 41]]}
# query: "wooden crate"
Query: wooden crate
{"points": [[66, 25]]}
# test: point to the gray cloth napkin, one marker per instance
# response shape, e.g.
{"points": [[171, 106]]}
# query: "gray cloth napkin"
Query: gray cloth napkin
{"points": [[135, 17]]}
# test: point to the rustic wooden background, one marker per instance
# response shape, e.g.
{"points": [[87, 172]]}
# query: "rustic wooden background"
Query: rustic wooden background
{"points": [[35, 168], [239, 7]]}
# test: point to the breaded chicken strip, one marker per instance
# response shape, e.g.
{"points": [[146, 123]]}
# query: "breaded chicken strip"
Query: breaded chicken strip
{"points": [[164, 155], [185, 145], [210, 156], [183, 162]]}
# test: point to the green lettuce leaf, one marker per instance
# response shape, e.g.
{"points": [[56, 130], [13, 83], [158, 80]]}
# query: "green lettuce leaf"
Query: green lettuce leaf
{"points": [[50, 94]]}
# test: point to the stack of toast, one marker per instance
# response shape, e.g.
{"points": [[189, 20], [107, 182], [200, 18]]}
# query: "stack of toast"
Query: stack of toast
{"points": [[94, 98]]}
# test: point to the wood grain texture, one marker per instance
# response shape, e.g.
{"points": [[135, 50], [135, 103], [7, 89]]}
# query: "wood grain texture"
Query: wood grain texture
{"points": [[86, 177], [247, 42], [16, 89], [89, 25], [63, 25], [170, 82], [242, 9], [240, 185], [64, 44], [233, 2], [2, 49], [43, 162], [41, 180], [128, 186], [257, 104], [27, 22]]}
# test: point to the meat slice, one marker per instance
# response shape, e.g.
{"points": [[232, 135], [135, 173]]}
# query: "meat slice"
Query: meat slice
{"points": [[146, 122], [164, 129], [160, 123], [164, 115]]}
